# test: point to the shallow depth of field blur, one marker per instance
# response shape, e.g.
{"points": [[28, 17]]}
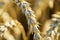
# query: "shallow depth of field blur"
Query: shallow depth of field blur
{"points": [[14, 23]]}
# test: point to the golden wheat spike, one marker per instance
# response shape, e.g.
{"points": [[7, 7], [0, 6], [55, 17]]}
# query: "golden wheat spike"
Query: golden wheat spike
{"points": [[32, 23]]}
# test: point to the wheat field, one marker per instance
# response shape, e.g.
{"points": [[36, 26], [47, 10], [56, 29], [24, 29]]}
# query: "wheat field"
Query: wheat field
{"points": [[29, 19]]}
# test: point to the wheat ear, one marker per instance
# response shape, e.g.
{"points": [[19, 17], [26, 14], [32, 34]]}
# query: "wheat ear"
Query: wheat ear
{"points": [[31, 18]]}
